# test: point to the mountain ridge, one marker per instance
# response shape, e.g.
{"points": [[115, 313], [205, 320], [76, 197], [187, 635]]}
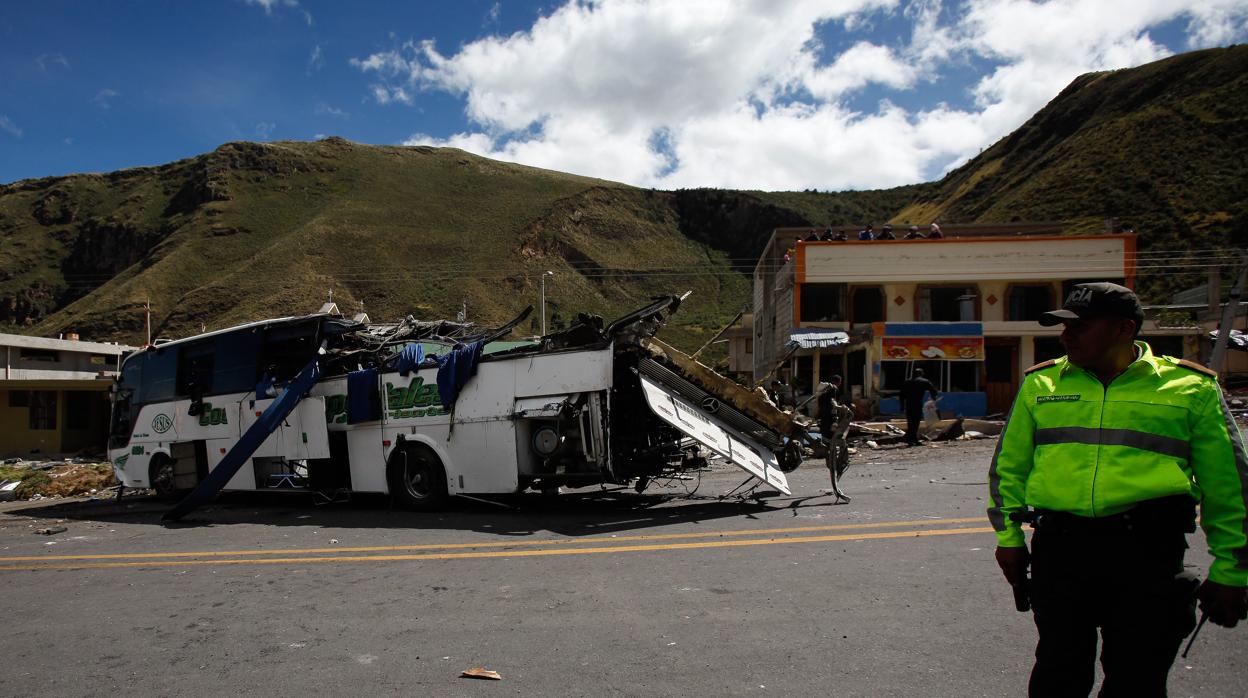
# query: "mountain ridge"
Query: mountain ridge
{"points": [[254, 230]]}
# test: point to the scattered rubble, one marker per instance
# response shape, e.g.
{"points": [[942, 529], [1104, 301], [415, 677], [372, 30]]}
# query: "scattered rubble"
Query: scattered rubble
{"points": [[481, 673], [71, 477]]}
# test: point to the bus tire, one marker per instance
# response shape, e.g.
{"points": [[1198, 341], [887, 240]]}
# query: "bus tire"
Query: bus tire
{"points": [[160, 476], [416, 478]]}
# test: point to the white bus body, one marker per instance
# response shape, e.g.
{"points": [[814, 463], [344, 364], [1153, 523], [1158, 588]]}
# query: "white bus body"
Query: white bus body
{"points": [[528, 419]]}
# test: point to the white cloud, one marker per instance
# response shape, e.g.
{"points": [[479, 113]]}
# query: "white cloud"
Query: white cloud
{"points": [[1216, 25], [51, 60], [7, 125], [323, 108], [264, 130], [862, 64], [103, 99], [315, 61], [268, 6], [744, 94]]}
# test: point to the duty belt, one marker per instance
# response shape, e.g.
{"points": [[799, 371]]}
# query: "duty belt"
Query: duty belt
{"points": [[1165, 515]]}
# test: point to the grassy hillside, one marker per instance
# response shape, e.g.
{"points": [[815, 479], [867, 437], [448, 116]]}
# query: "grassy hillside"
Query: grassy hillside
{"points": [[260, 230], [253, 230], [1162, 147]]}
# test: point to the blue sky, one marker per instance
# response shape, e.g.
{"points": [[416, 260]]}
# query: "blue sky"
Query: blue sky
{"points": [[780, 94]]}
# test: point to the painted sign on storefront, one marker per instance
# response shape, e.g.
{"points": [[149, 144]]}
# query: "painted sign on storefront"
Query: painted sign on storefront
{"points": [[933, 348]]}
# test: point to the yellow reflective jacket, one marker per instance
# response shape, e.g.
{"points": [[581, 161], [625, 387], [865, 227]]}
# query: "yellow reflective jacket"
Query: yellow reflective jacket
{"points": [[1160, 428]]}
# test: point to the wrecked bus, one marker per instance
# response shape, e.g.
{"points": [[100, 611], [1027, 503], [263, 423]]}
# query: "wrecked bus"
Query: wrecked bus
{"points": [[428, 410]]}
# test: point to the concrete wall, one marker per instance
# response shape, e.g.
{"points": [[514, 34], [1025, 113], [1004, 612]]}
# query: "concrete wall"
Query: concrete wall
{"points": [[959, 260]]}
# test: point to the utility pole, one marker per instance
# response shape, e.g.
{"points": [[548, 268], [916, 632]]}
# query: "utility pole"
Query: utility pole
{"points": [[147, 311], [544, 275], [1217, 361]]}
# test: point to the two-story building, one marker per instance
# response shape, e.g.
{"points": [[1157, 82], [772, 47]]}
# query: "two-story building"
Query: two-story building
{"points": [[54, 394], [963, 308]]}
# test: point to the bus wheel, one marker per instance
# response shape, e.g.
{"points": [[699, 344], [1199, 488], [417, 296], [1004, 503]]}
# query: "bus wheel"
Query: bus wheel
{"points": [[416, 477], [160, 476]]}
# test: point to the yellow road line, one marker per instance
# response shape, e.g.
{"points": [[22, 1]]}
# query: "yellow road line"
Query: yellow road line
{"points": [[495, 544], [509, 554]]}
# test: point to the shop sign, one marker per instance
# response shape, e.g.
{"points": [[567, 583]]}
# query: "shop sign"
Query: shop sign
{"points": [[933, 348]]}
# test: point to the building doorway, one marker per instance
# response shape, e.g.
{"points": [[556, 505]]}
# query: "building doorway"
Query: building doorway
{"points": [[1000, 372]]}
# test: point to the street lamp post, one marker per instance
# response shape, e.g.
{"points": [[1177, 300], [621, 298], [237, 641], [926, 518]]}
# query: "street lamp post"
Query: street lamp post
{"points": [[544, 275]]}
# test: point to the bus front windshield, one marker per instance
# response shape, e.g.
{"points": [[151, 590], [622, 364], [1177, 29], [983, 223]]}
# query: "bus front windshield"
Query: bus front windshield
{"points": [[126, 400]]}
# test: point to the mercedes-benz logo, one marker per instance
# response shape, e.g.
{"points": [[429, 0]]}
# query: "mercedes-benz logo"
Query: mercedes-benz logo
{"points": [[711, 405]]}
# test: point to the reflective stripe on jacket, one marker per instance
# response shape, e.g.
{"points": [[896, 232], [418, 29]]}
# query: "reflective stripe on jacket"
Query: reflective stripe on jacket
{"points": [[1160, 428]]}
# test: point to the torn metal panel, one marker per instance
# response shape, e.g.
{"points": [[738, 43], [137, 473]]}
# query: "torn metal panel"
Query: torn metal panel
{"points": [[747, 401], [710, 432]]}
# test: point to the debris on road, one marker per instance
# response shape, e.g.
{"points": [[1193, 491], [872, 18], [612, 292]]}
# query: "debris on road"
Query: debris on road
{"points": [[51, 530], [481, 673], [53, 479]]}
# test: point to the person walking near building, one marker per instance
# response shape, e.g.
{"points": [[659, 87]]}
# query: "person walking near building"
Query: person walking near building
{"points": [[912, 392], [1106, 452]]}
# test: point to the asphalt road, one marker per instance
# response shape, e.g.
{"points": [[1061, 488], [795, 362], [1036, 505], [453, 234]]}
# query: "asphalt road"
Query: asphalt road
{"points": [[894, 594]]}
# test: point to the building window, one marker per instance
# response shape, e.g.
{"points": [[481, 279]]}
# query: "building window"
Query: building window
{"points": [[829, 365], [78, 410], [749, 346], [948, 303], [1026, 303], [39, 355], [19, 398], [42, 409], [963, 376], [822, 302], [804, 375], [868, 305], [998, 364], [893, 374]]}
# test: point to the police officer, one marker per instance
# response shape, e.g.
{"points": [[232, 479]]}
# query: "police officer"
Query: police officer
{"points": [[1106, 451]]}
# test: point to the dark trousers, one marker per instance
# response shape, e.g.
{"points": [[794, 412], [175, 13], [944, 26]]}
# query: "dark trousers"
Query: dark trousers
{"points": [[1128, 584], [913, 419]]}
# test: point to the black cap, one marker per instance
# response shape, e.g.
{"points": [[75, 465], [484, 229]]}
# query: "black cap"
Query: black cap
{"points": [[1096, 300]]}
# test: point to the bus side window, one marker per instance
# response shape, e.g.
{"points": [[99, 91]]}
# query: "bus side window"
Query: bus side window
{"points": [[288, 349], [237, 353], [160, 375], [195, 370]]}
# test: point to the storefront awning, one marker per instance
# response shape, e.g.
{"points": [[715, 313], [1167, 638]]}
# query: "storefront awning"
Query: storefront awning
{"points": [[819, 339]]}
